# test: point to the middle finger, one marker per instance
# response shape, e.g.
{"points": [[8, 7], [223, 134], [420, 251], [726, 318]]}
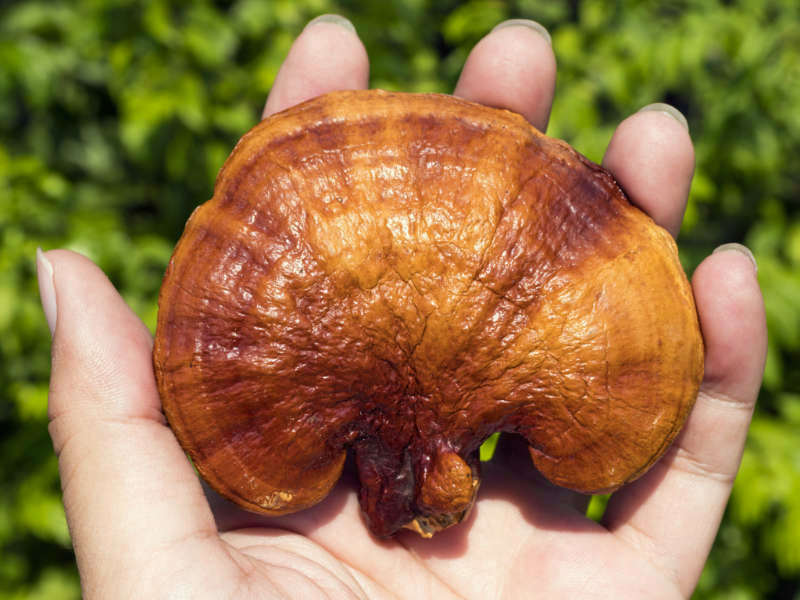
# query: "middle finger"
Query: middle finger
{"points": [[513, 67]]}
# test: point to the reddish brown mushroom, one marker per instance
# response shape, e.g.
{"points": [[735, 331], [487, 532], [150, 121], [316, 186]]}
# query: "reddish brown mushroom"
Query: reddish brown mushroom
{"points": [[403, 275]]}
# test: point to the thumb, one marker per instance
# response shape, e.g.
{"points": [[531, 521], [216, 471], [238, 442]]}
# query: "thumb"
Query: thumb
{"points": [[129, 490]]}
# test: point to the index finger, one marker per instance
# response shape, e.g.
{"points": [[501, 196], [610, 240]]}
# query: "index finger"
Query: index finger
{"points": [[328, 55]]}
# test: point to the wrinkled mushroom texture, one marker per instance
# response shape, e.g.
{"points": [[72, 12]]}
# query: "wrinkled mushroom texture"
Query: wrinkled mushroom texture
{"points": [[403, 275]]}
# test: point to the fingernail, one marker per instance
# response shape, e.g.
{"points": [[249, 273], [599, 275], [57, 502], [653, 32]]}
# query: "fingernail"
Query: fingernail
{"points": [[47, 289], [538, 28], [335, 19], [668, 109], [733, 247]]}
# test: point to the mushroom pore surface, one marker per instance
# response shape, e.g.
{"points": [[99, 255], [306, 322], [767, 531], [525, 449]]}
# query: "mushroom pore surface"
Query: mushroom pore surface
{"points": [[403, 275]]}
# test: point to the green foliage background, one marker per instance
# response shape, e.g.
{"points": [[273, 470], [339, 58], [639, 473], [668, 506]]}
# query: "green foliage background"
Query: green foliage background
{"points": [[116, 114]]}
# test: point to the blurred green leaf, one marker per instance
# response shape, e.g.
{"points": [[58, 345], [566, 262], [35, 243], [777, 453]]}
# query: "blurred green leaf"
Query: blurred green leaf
{"points": [[472, 20], [488, 447]]}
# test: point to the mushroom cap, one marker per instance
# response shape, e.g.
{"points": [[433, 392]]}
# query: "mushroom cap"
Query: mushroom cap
{"points": [[404, 275]]}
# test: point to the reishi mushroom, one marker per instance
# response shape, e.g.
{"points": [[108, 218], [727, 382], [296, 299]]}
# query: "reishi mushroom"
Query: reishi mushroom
{"points": [[402, 275]]}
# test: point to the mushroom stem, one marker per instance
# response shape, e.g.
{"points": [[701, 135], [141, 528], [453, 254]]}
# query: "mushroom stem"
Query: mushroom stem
{"points": [[428, 499]]}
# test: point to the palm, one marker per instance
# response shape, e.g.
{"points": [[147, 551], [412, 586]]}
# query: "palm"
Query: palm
{"points": [[142, 526], [523, 537]]}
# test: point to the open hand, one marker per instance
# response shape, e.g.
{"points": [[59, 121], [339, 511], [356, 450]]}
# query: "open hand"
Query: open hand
{"points": [[143, 526]]}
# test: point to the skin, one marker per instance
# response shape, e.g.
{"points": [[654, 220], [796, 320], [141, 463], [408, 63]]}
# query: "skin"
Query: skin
{"points": [[143, 526]]}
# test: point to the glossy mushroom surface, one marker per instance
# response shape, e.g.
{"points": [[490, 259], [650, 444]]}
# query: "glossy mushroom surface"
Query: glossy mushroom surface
{"points": [[403, 275]]}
